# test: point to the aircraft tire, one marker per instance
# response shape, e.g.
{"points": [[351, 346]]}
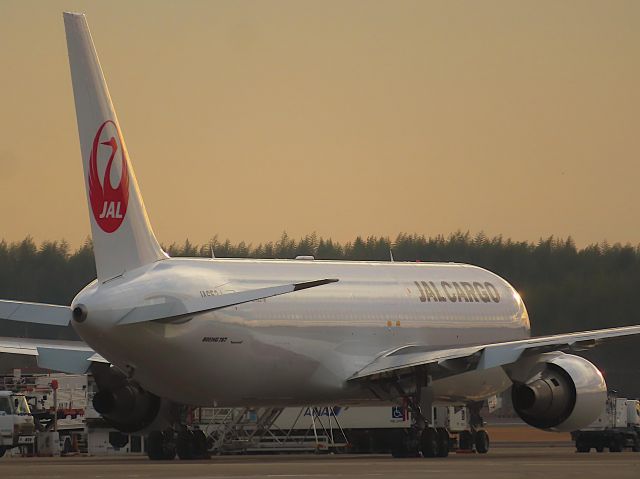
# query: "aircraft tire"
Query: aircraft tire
{"points": [[465, 441], [482, 441], [185, 445], [429, 443], [160, 446], [154, 445], [200, 445], [168, 446], [399, 444], [443, 442]]}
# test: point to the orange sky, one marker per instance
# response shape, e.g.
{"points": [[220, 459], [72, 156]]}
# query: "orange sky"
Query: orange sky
{"points": [[246, 118]]}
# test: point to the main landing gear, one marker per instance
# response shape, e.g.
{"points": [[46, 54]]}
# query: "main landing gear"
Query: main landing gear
{"points": [[423, 439], [437, 442], [161, 445], [187, 443], [430, 442], [181, 439]]}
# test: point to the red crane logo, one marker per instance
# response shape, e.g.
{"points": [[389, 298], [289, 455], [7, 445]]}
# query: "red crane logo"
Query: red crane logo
{"points": [[109, 204]]}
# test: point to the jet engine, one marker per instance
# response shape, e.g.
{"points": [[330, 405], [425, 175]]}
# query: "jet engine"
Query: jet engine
{"points": [[563, 393], [129, 408], [125, 405]]}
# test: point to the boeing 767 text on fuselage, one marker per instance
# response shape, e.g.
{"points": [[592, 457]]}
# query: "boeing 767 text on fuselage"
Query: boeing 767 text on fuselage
{"points": [[160, 332]]}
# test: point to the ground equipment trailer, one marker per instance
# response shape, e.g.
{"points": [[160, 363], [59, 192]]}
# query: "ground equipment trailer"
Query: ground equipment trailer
{"points": [[617, 428], [363, 429], [16, 423]]}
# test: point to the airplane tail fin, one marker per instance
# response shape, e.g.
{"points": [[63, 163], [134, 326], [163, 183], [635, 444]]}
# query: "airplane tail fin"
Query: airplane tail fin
{"points": [[122, 236]]}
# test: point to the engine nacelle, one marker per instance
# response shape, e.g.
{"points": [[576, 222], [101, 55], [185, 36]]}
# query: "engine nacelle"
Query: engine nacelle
{"points": [[128, 408], [125, 405], [564, 393]]}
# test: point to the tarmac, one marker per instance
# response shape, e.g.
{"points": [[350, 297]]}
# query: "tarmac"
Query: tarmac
{"points": [[501, 462]]}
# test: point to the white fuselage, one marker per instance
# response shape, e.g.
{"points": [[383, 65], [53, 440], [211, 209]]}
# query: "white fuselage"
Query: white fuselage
{"points": [[301, 347]]}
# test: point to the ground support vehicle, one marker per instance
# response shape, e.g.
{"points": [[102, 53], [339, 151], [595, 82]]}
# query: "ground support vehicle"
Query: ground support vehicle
{"points": [[57, 404], [617, 428], [362, 429], [16, 423]]}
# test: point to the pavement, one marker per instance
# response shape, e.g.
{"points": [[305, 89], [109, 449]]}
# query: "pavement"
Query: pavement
{"points": [[501, 462]]}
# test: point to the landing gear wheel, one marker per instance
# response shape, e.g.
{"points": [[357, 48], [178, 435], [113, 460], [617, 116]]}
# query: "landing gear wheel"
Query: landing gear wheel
{"points": [[443, 442], [154, 445], [465, 441], [399, 443], [2, 450], [160, 446], [482, 441], [404, 443], [184, 445], [200, 445], [430, 442]]}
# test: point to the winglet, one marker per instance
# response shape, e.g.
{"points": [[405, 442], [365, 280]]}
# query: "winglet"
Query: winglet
{"points": [[313, 284]]}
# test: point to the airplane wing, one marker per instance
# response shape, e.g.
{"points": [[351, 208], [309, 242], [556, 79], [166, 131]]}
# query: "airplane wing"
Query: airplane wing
{"points": [[448, 362], [65, 356], [35, 312]]}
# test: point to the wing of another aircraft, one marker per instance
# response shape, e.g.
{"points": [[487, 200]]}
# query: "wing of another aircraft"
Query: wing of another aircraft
{"points": [[58, 355], [39, 313], [449, 362]]}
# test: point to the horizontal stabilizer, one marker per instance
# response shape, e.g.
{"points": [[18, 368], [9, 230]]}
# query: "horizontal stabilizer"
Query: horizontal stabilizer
{"points": [[179, 309], [38, 313]]}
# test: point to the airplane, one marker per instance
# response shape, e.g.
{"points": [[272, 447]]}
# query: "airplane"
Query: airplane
{"points": [[159, 333]]}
